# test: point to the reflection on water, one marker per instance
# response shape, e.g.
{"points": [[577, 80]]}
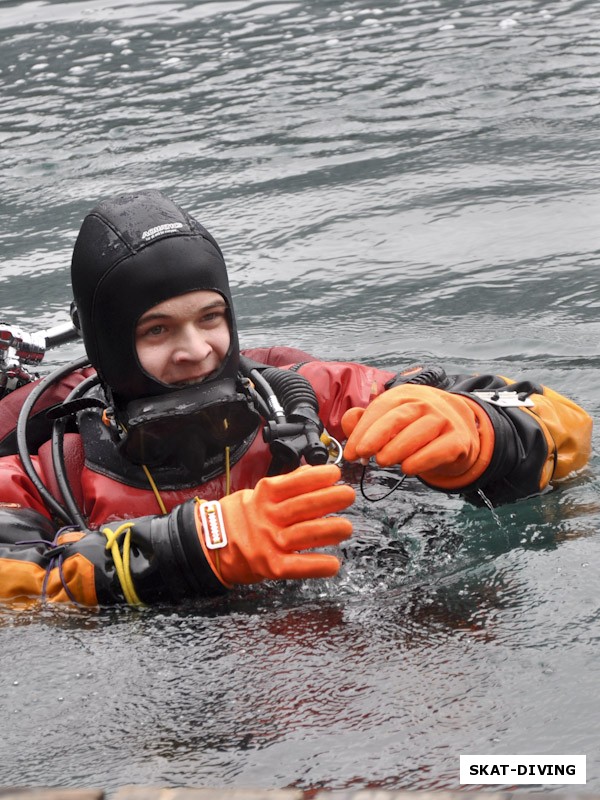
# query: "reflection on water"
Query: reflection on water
{"points": [[389, 183]]}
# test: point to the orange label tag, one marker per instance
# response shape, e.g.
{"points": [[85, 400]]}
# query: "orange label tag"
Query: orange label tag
{"points": [[215, 535]]}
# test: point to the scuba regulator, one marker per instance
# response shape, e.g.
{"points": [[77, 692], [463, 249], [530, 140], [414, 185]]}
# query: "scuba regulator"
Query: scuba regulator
{"points": [[290, 407]]}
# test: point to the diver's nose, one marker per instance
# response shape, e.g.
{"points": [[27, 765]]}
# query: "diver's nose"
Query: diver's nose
{"points": [[192, 346]]}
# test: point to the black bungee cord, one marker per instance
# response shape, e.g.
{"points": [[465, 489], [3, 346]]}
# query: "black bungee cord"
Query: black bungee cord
{"points": [[396, 486]]}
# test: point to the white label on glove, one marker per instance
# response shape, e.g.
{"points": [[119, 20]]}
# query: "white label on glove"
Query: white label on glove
{"points": [[213, 526], [506, 399]]}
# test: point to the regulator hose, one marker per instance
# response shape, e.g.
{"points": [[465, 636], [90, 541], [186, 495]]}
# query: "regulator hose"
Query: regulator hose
{"points": [[294, 392], [50, 501], [58, 455]]}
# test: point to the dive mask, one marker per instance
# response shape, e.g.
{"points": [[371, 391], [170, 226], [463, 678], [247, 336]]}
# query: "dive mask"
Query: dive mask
{"points": [[190, 424]]}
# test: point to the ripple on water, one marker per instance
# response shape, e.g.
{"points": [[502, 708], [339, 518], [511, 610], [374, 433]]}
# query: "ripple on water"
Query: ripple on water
{"points": [[389, 184]]}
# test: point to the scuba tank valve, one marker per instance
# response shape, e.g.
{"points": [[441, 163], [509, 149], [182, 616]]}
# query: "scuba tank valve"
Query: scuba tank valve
{"points": [[20, 349]]}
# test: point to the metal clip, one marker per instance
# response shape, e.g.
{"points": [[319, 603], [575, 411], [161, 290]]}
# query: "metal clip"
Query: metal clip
{"points": [[505, 399]]}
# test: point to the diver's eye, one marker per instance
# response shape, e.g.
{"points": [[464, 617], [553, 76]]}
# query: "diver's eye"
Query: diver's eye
{"points": [[213, 318], [155, 330], [150, 332]]}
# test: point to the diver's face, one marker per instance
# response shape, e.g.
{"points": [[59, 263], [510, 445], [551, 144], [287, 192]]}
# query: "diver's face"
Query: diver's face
{"points": [[184, 339]]}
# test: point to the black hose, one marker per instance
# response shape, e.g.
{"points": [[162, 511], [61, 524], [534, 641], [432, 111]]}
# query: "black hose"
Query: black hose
{"points": [[270, 401], [48, 498], [58, 455], [294, 392]]}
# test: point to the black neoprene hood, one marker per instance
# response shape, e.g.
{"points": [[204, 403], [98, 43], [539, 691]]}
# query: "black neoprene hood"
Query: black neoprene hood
{"points": [[134, 251]]}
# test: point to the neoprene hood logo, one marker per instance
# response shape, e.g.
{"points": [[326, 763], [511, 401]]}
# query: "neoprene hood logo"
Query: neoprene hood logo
{"points": [[168, 227]]}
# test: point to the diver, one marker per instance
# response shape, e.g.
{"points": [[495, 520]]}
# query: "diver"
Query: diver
{"points": [[167, 464]]}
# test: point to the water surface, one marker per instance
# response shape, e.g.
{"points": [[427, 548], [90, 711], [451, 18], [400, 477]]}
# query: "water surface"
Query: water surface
{"points": [[389, 183]]}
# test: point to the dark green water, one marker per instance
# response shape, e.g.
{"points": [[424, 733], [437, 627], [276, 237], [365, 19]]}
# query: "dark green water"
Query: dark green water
{"points": [[390, 183]]}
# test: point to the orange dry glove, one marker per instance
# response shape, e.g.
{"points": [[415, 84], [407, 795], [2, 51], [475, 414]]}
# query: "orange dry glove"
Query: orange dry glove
{"points": [[446, 439], [254, 534]]}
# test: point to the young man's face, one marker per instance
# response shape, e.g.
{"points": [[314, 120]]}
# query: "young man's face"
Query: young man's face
{"points": [[184, 339]]}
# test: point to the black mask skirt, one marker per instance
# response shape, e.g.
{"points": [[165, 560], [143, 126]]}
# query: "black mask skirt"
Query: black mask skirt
{"points": [[134, 251]]}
